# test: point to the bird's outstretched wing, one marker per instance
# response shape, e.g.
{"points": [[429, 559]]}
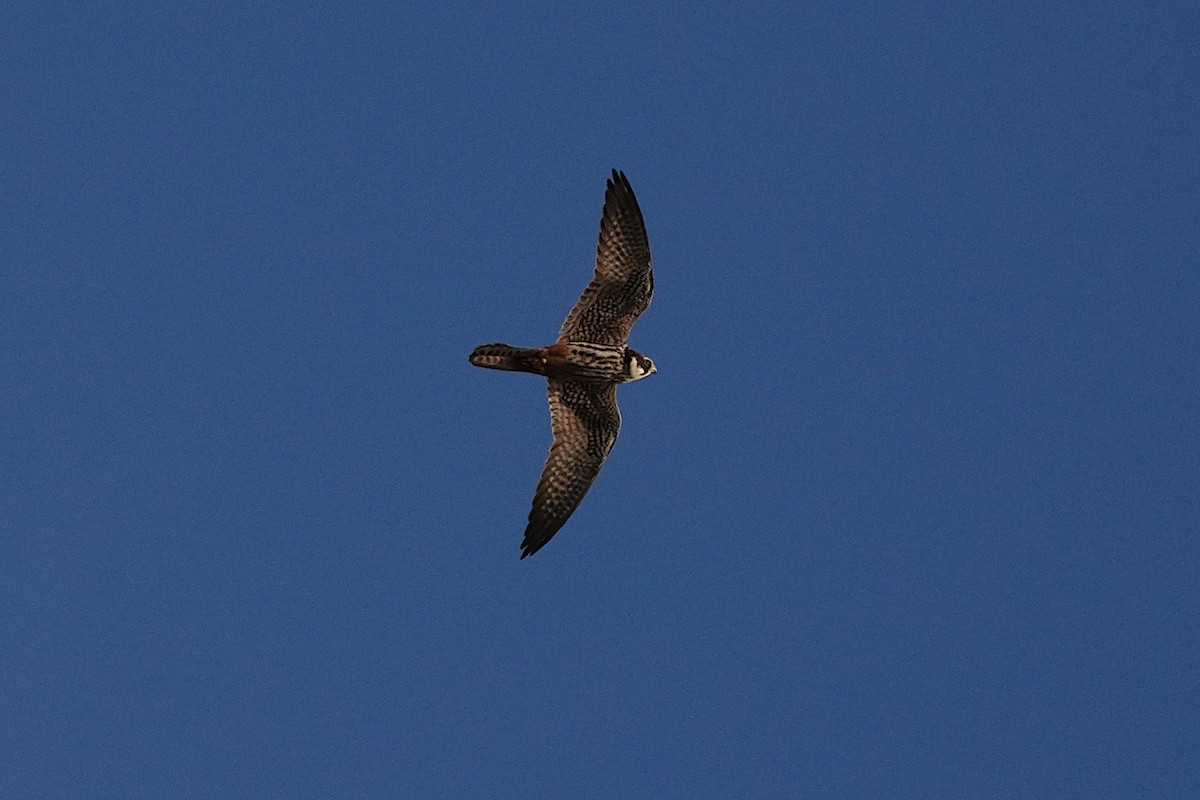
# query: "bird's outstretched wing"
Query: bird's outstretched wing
{"points": [[585, 419], [623, 282]]}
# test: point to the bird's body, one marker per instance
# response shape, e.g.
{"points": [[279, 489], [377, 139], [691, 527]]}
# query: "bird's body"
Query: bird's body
{"points": [[572, 361], [586, 364]]}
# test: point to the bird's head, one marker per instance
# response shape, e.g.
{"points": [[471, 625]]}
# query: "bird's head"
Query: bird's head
{"points": [[637, 366]]}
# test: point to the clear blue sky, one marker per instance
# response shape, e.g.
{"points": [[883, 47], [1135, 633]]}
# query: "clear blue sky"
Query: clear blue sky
{"points": [[909, 511]]}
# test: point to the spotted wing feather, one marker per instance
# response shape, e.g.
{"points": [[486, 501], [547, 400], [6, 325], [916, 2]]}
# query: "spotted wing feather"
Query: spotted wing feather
{"points": [[623, 281], [585, 420]]}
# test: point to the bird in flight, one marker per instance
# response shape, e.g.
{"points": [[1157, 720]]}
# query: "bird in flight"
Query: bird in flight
{"points": [[586, 363]]}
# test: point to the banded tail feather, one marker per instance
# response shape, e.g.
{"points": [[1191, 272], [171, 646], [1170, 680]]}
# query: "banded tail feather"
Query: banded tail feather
{"points": [[505, 356]]}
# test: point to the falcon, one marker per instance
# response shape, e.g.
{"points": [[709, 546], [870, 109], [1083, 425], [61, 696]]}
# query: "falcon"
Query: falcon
{"points": [[585, 365]]}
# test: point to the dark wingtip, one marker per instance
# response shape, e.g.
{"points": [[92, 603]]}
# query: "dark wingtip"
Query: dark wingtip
{"points": [[528, 548], [620, 192], [531, 544]]}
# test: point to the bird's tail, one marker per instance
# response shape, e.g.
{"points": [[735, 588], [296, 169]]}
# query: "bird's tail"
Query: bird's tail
{"points": [[504, 356]]}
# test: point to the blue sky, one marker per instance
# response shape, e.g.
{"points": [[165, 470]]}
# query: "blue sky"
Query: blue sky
{"points": [[909, 510]]}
